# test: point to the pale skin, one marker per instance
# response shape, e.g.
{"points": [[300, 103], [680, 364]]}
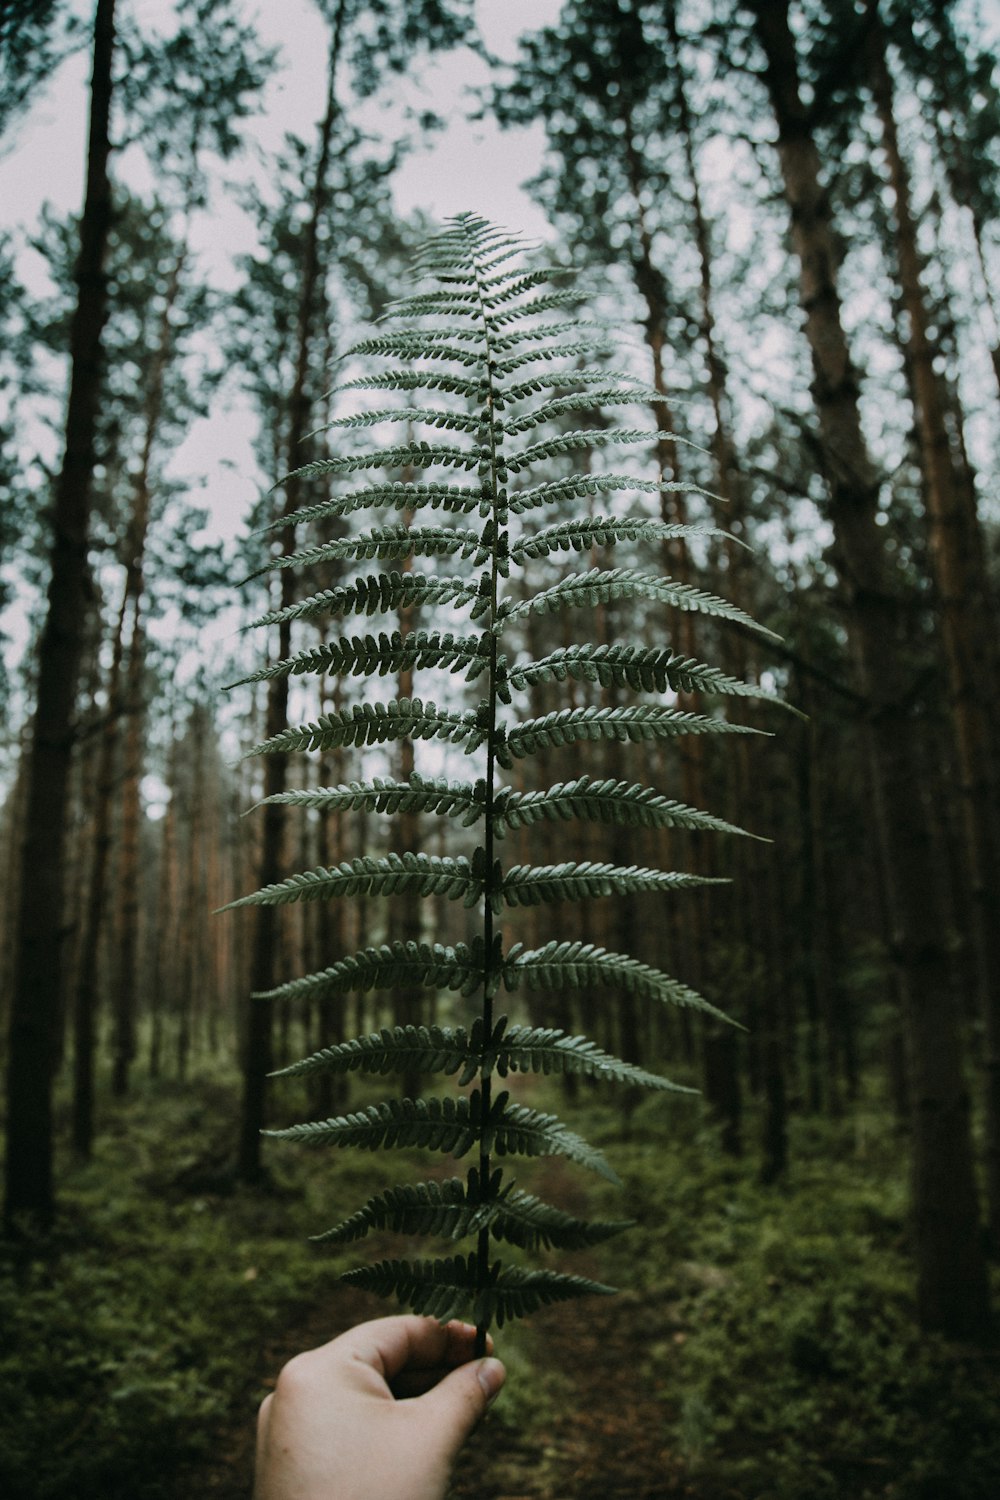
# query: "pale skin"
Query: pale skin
{"points": [[377, 1414]]}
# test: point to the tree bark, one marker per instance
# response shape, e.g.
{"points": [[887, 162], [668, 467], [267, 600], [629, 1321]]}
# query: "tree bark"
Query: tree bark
{"points": [[952, 1286], [35, 1010], [965, 611], [258, 1045]]}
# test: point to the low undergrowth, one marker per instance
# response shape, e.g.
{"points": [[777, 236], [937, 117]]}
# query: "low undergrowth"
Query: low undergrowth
{"points": [[768, 1334]]}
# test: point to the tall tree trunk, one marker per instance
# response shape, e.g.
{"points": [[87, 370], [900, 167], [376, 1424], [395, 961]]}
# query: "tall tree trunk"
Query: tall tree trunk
{"points": [[258, 1044], [85, 990], [966, 614], [35, 1009], [129, 864], [952, 1286]]}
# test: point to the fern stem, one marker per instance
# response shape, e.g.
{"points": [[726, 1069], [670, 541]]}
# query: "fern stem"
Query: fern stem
{"points": [[483, 1241]]}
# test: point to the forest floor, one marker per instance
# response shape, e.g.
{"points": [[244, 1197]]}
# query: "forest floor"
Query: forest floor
{"points": [[763, 1346]]}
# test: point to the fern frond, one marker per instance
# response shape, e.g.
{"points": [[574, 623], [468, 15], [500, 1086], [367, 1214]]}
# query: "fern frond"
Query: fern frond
{"points": [[447, 1125], [454, 1209], [425, 344], [579, 486], [410, 963], [603, 531], [524, 1220], [605, 801], [424, 304], [452, 498], [517, 1292], [368, 875], [576, 965], [547, 380], [600, 585], [550, 302], [442, 1289], [604, 395], [516, 1130], [502, 289], [445, 1289], [377, 723], [649, 669], [516, 338], [419, 794], [439, 1208], [541, 1049], [414, 380], [641, 722], [387, 543], [531, 885], [574, 350], [367, 655], [375, 595], [401, 1049], [415, 455], [450, 421]]}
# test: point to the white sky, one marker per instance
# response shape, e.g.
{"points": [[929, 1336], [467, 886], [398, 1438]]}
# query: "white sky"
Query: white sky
{"points": [[467, 167]]}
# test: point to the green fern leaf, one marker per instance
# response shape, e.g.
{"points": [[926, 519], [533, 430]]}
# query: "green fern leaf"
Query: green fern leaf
{"points": [[384, 542], [450, 421], [448, 1125], [515, 1130], [377, 723], [574, 350], [587, 440], [643, 722], [453, 498], [439, 1208], [415, 455], [540, 1049], [525, 1221], [426, 874], [516, 1293], [442, 1289], [580, 486], [380, 594], [414, 1049], [600, 585], [415, 380], [577, 965], [408, 963], [651, 669], [419, 794], [531, 885], [605, 801], [367, 655], [602, 531]]}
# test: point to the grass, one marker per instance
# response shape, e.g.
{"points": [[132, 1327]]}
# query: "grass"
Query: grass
{"points": [[773, 1328]]}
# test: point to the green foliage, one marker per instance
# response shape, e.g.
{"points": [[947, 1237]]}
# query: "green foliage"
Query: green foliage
{"points": [[480, 366]]}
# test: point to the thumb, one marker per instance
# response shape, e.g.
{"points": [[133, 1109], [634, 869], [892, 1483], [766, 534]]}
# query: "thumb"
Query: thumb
{"points": [[460, 1400]]}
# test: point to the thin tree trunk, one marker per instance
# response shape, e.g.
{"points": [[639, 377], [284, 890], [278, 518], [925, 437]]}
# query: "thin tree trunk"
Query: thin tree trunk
{"points": [[35, 1010], [85, 993], [129, 906], [258, 1047], [952, 1287], [966, 615]]}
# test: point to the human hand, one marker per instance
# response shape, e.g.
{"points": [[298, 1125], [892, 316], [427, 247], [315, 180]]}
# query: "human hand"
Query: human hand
{"points": [[377, 1414]]}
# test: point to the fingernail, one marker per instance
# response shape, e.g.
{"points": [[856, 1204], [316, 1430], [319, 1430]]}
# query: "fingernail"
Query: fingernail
{"points": [[491, 1377]]}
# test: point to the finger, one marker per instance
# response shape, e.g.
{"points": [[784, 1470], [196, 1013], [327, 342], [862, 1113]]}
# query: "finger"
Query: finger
{"points": [[460, 1400], [390, 1345]]}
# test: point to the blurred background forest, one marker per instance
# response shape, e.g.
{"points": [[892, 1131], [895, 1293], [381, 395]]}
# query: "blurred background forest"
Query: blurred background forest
{"points": [[792, 212]]}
